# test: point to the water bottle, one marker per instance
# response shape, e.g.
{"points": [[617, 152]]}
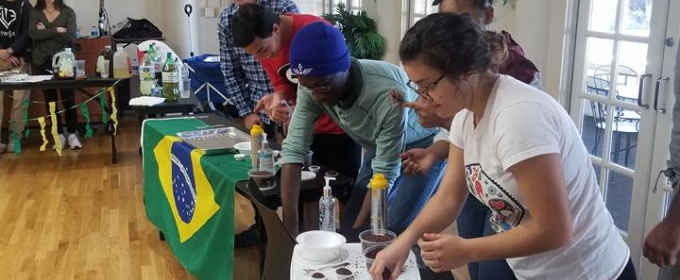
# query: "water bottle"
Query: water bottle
{"points": [[378, 187], [135, 67], [147, 76], [327, 208], [95, 32]]}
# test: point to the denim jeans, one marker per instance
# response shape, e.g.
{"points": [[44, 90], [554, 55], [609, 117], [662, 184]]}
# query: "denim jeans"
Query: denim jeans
{"points": [[473, 222], [406, 198]]}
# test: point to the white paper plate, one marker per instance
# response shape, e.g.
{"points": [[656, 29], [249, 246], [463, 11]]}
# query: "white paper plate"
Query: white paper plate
{"points": [[307, 175]]}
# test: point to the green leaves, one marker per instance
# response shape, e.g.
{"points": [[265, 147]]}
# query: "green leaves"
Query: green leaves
{"points": [[360, 32]]}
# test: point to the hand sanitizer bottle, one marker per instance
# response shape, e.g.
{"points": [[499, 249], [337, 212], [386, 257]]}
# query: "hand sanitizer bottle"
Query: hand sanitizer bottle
{"points": [[327, 208], [265, 156]]}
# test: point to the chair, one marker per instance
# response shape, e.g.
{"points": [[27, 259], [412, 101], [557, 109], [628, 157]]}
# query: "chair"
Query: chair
{"points": [[625, 121], [279, 244]]}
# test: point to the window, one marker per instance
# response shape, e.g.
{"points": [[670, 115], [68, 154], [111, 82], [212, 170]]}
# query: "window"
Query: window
{"points": [[417, 9], [354, 5]]}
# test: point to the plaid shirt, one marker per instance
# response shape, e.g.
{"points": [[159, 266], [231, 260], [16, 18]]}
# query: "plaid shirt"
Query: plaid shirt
{"points": [[244, 76]]}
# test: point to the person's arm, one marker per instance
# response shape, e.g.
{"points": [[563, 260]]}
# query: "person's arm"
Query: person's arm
{"points": [[663, 242], [21, 42], [71, 26], [295, 148], [39, 34], [232, 70], [449, 199]]}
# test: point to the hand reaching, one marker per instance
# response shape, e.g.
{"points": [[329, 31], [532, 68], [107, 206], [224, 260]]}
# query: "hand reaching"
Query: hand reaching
{"points": [[444, 252], [275, 106], [663, 244], [392, 258], [417, 161], [251, 120]]}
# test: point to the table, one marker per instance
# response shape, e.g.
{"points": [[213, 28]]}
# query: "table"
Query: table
{"points": [[189, 197], [78, 85], [350, 253], [185, 106]]}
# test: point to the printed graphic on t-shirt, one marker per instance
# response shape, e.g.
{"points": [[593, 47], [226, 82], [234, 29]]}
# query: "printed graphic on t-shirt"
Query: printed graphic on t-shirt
{"points": [[7, 17], [506, 212], [285, 71]]}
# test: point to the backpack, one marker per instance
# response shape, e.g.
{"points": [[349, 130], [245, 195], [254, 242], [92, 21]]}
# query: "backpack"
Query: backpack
{"points": [[138, 29]]}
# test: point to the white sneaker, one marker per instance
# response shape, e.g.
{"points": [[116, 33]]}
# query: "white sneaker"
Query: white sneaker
{"points": [[73, 142], [10, 146], [3, 147], [63, 142]]}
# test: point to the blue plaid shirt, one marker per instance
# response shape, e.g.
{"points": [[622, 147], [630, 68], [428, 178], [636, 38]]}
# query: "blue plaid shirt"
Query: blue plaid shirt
{"points": [[244, 76]]}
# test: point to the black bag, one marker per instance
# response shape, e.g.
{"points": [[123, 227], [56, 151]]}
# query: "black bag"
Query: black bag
{"points": [[138, 29]]}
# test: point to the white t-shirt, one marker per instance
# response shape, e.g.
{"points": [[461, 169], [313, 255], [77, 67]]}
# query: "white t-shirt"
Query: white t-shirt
{"points": [[521, 122]]}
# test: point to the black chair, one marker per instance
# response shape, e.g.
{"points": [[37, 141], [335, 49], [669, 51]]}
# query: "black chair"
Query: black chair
{"points": [[279, 245], [625, 122]]}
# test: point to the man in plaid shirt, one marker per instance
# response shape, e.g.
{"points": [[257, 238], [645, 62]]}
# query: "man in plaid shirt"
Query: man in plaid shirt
{"points": [[244, 77]]}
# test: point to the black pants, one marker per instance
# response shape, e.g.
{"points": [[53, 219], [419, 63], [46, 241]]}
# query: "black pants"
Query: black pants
{"points": [[337, 151], [628, 272], [67, 96]]}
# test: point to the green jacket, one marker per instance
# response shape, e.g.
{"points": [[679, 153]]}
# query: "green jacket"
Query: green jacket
{"points": [[47, 42]]}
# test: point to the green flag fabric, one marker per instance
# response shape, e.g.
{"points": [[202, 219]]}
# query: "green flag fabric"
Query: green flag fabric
{"points": [[189, 197]]}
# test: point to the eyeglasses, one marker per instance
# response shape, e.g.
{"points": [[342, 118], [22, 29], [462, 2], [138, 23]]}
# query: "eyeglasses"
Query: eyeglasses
{"points": [[425, 92]]}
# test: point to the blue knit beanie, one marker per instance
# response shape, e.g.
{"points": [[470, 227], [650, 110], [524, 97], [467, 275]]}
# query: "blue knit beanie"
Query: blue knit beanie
{"points": [[318, 50]]}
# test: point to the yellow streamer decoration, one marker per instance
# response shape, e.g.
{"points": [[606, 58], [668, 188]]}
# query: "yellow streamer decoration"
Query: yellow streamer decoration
{"points": [[55, 128], [114, 110], [41, 120]]}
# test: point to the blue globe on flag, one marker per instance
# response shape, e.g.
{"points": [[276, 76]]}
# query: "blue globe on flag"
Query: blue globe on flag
{"points": [[183, 183]]}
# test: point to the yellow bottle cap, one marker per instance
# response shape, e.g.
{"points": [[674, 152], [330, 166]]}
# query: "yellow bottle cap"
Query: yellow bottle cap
{"points": [[378, 182], [256, 130]]}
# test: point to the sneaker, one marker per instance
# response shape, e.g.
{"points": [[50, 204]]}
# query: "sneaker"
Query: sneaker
{"points": [[10, 146], [73, 142], [3, 147], [63, 142]]}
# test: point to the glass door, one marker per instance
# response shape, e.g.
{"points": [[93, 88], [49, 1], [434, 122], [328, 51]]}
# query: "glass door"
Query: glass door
{"points": [[621, 84]]}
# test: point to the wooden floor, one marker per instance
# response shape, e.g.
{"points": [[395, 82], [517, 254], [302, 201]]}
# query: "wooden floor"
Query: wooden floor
{"points": [[80, 217]]}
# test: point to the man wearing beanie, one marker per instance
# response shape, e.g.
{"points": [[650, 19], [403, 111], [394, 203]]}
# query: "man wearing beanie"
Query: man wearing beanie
{"points": [[356, 94], [246, 82], [267, 36]]}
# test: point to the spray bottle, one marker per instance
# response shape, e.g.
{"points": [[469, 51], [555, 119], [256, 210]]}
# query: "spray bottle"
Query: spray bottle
{"points": [[327, 208], [378, 186]]}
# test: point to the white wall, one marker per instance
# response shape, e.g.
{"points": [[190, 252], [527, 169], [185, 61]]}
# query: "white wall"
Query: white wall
{"points": [[87, 11]]}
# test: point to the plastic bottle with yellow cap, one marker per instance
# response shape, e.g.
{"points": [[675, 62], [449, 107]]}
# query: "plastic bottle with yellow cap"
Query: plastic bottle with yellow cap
{"points": [[255, 139], [378, 186]]}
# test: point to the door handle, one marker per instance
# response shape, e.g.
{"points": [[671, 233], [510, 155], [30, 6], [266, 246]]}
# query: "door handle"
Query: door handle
{"points": [[641, 89], [656, 95]]}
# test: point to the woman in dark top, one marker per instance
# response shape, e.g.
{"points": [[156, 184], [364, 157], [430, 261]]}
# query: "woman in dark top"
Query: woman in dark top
{"points": [[52, 26]]}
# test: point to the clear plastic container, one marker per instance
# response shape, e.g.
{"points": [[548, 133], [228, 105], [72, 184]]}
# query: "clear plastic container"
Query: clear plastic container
{"points": [[122, 67]]}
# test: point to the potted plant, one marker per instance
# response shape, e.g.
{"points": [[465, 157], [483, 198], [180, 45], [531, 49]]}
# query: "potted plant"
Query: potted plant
{"points": [[360, 32]]}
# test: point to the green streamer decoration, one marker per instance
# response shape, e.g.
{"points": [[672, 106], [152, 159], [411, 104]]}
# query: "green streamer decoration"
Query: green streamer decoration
{"points": [[102, 103], [25, 104], [86, 114]]}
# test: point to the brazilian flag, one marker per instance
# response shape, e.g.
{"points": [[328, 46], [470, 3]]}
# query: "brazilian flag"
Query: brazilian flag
{"points": [[189, 197]]}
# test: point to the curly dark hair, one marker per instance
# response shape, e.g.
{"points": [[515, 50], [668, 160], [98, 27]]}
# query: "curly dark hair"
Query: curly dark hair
{"points": [[450, 43], [479, 4], [250, 21]]}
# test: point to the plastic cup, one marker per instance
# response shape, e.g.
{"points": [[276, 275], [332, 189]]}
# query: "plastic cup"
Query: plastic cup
{"points": [[370, 253], [105, 69], [265, 180], [308, 158], [80, 68], [372, 237], [314, 168], [186, 88]]}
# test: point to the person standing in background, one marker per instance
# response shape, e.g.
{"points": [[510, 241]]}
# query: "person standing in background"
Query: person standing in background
{"points": [[662, 245], [14, 43], [244, 76], [52, 26]]}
